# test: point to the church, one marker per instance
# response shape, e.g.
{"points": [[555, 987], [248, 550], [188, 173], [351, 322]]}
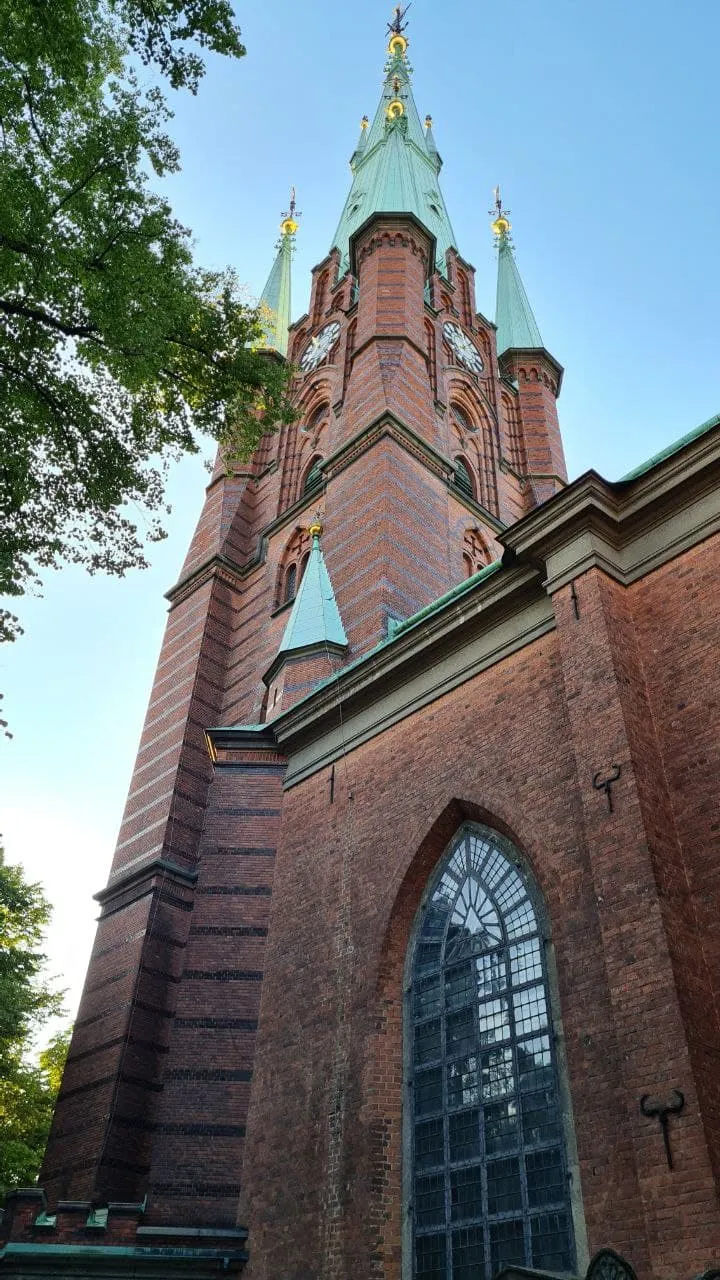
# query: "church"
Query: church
{"points": [[408, 965]]}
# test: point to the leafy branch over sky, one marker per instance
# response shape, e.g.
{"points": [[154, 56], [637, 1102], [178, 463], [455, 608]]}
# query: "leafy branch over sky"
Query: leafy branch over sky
{"points": [[27, 1089], [116, 349]]}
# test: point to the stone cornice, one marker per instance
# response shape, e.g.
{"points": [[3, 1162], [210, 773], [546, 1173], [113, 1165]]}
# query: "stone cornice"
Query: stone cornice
{"points": [[626, 528], [288, 657], [514, 356], [423, 240], [246, 745], [389, 425], [127, 886], [445, 648]]}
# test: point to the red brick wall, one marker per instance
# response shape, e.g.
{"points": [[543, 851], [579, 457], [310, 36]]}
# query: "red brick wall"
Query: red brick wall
{"points": [[516, 747]]}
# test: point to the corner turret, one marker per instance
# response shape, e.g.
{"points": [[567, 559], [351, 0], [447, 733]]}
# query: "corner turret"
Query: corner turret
{"points": [[275, 300], [314, 644], [528, 367]]}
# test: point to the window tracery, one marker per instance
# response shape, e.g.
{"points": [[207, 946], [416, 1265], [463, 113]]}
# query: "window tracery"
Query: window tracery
{"points": [[489, 1168]]}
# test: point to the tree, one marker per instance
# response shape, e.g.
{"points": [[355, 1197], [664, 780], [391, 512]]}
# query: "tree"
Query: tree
{"points": [[27, 1090], [116, 350]]}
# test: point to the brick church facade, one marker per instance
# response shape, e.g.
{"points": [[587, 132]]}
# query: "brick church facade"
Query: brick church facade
{"points": [[408, 964]]}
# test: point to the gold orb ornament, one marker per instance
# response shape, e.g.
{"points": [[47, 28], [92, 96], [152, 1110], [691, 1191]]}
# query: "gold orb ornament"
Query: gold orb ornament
{"points": [[315, 529], [288, 226], [500, 226], [398, 45]]}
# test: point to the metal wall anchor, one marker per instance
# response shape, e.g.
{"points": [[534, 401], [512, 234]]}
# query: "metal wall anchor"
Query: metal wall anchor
{"points": [[605, 784], [662, 1112]]}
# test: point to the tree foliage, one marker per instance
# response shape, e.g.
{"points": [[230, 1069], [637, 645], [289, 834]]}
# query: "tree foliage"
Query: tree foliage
{"points": [[27, 1089], [116, 349]]}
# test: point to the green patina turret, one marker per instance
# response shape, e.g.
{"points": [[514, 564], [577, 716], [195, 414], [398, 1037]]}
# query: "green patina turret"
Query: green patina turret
{"points": [[315, 618], [396, 164], [275, 299], [516, 324]]}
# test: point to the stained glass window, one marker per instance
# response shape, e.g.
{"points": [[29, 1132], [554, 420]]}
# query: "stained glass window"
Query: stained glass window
{"points": [[490, 1180]]}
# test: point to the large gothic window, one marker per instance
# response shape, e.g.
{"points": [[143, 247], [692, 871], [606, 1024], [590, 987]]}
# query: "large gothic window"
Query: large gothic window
{"points": [[490, 1180]]}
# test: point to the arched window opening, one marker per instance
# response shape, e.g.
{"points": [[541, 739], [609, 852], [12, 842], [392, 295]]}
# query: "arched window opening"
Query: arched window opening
{"points": [[468, 565], [463, 478], [514, 435], [349, 351], [289, 570], [490, 1186], [465, 299], [431, 357], [321, 298], [313, 476], [317, 419], [462, 419], [304, 564]]}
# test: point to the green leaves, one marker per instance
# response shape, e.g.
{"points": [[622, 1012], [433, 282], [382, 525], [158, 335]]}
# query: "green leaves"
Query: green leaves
{"points": [[27, 1090], [116, 350]]}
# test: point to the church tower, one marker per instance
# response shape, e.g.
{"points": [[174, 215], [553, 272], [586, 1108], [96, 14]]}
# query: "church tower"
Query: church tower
{"points": [[402, 923], [418, 442]]}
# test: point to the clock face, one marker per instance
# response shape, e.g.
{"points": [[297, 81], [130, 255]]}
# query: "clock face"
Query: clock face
{"points": [[465, 350], [320, 346]]}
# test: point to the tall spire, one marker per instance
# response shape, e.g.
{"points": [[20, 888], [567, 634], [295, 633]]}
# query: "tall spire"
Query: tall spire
{"points": [[516, 324], [395, 167], [275, 297]]}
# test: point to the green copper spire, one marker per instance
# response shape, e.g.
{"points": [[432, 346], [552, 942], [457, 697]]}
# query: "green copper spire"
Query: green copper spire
{"points": [[396, 164], [315, 617], [275, 297], [516, 325]]}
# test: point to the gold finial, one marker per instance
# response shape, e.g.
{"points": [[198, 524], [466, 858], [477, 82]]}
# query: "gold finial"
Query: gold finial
{"points": [[364, 123], [500, 224], [315, 529], [398, 42], [290, 224], [428, 122]]}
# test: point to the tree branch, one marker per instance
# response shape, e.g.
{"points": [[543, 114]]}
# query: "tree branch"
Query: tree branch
{"points": [[43, 317], [79, 186]]}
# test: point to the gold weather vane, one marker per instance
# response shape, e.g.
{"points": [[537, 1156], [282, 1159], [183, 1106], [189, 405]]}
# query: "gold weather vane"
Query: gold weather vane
{"points": [[397, 26], [398, 42], [289, 224], [500, 217]]}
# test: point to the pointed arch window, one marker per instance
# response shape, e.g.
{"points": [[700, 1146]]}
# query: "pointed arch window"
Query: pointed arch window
{"points": [[490, 1185], [313, 476], [463, 478]]}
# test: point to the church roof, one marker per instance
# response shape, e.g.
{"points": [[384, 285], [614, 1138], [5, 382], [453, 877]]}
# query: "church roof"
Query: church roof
{"points": [[395, 166], [516, 324], [315, 618]]}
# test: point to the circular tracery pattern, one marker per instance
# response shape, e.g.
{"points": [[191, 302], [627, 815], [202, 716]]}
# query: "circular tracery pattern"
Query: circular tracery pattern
{"points": [[464, 348], [490, 1179], [320, 346]]}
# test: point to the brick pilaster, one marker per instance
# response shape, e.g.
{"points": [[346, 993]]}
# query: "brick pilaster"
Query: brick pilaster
{"points": [[611, 725]]}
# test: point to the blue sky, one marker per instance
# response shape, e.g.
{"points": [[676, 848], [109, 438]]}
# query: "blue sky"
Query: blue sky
{"points": [[600, 122]]}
